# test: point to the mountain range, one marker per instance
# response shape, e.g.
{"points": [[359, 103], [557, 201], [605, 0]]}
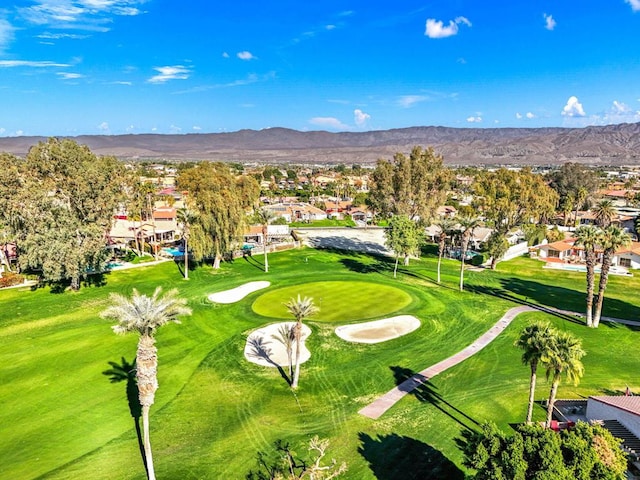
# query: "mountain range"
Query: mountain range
{"points": [[594, 145]]}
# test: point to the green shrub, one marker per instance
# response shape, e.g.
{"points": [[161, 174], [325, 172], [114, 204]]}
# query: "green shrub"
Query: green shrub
{"points": [[477, 260]]}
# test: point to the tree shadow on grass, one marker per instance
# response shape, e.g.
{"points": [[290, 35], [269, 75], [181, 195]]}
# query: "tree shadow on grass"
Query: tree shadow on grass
{"points": [[379, 265], [421, 388], [126, 372], [251, 260], [536, 294], [395, 457]]}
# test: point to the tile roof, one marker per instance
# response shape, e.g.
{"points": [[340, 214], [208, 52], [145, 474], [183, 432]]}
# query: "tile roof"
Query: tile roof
{"points": [[629, 403]]}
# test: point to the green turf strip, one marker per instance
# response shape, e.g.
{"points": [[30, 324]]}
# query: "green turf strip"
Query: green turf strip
{"points": [[342, 302]]}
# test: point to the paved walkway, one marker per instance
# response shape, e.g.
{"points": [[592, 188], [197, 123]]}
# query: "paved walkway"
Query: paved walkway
{"points": [[385, 402]]}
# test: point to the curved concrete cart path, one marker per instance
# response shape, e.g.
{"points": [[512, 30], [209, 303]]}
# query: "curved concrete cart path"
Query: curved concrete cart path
{"points": [[385, 402]]}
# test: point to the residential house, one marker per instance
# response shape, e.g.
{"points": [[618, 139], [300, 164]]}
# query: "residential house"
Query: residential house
{"points": [[297, 212]]}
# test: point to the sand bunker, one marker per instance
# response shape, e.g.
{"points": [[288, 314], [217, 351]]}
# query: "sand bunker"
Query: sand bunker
{"points": [[261, 348], [378, 330], [238, 293]]}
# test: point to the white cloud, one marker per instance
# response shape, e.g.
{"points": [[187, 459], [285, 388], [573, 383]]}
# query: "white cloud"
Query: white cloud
{"points": [[619, 113], [29, 63], [122, 83], [69, 76], [58, 36], [550, 23], [437, 29], [19, 133], [635, 5], [175, 130], [530, 115], [474, 119], [175, 72], [6, 34], [246, 55], [518, 115], [328, 122], [407, 101], [225, 55], [2, 130], [360, 118], [573, 108], [104, 127], [196, 128]]}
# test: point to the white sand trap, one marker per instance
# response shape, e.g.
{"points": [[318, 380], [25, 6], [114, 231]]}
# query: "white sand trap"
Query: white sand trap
{"points": [[378, 330], [238, 293], [261, 348]]}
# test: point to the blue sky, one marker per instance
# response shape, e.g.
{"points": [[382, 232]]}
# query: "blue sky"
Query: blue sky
{"points": [[73, 67]]}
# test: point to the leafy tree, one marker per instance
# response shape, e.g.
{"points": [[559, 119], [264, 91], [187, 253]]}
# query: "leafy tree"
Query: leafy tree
{"points": [[574, 183], [585, 452], [589, 236], [445, 225], [467, 226], [62, 209], [510, 198], [535, 342], [611, 239], [300, 308], [186, 217], [413, 186], [554, 234], [562, 359], [497, 246], [264, 217], [220, 199], [144, 315], [404, 237]]}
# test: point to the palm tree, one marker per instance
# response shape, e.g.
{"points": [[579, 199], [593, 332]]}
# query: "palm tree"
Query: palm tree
{"points": [[535, 342], [604, 213], [581, 195], [467, 226], [286, 335], [563, 358], [186, 217], [300, 308], [611, 239], [144, 315], [264, 216], [588, 236], [445, 224]]}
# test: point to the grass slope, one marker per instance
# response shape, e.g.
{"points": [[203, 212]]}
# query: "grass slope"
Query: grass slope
{"points": [[63, 419]]}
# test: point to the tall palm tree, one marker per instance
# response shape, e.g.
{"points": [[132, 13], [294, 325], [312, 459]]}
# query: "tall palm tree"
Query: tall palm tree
{"points": [[300, 308], [563, 358], [580, 197], [467, 225], [144, 315], [535, 342], [445, 224], [186, 217], [264, 216], [286, 335], [588, 236], [604, 213], [611, 239]]}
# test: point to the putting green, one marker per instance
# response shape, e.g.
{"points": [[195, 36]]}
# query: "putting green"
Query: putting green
{"points": [[338, 301]]}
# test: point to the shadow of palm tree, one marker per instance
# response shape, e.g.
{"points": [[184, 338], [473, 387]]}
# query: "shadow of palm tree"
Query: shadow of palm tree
{"points": [[395, 457], [420, 387], [260, 349], [126, 372]]}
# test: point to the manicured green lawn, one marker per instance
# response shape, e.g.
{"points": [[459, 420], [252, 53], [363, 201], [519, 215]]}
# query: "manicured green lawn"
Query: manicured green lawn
{"points": [[338, 301], [214, 411]]}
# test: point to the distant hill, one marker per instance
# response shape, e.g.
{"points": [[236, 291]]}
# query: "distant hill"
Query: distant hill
{"points": [[602, 145]]}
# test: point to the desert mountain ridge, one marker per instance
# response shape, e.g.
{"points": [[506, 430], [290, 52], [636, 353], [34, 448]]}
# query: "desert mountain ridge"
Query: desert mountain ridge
{"points": [[594, 145]]}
